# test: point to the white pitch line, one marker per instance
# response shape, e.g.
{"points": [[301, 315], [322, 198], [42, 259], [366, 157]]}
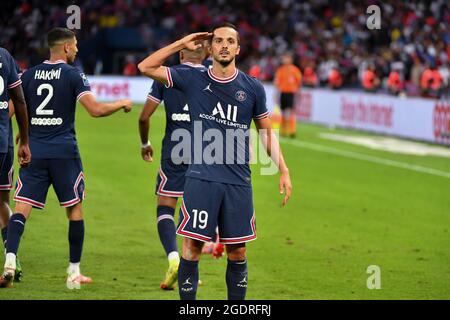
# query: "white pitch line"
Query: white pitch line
{"points": [[365, 157]]}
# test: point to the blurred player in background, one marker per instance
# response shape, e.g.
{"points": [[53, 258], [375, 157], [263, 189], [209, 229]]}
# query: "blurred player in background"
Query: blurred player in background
{"points": [[218, 194], [52, 90], [170, 180], [288, 80], [10, 76]]}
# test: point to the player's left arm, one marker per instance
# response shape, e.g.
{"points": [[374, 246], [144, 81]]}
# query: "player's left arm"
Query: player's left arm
{"points": [[20, 109], [273, 149]]}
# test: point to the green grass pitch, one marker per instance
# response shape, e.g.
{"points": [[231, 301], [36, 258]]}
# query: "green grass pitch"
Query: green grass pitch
{"points": [[344, 215]]}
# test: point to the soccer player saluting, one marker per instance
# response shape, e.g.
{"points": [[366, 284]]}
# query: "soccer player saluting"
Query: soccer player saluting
{"points": [[10, 87], [220, 98], [170, 180], [52, 90]]}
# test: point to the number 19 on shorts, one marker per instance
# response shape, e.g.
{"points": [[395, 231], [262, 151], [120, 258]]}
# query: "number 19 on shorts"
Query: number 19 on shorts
{"points": [[200, 217]]}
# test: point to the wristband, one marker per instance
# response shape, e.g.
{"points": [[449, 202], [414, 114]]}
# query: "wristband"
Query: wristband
{"points": [[145, 145]]}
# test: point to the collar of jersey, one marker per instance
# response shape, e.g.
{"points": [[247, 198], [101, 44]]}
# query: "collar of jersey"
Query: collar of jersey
{"points": [[54, 62], [222, 80], [190, 64]]}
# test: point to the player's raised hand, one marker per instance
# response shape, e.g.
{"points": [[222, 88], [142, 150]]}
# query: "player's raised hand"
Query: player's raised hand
{"points": [[127, 105], [285, 186], [194, 41], [147, 153], [24, 154]]}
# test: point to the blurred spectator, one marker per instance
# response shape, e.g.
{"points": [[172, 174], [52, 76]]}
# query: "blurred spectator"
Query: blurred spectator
{"points": [[130, 68], [370, 81], [395, 82], [335, 79], [309, 77], [255, 71], [431, 82]]}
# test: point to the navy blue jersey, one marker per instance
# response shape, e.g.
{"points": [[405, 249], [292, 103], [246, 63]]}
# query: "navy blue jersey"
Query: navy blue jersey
{"points": [[52, 90], [208, 63], [8, 79], [177, 113], [226, 106]]}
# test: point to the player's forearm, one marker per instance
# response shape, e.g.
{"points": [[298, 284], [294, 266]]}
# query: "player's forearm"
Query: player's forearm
{"points": [[144, 128], [107, 108], [150, 65]]}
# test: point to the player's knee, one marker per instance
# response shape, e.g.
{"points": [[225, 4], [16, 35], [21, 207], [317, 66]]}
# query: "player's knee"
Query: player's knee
{"points": [[192, 249], [75, 212], [236, 252], [23, 208], [167, 201]]}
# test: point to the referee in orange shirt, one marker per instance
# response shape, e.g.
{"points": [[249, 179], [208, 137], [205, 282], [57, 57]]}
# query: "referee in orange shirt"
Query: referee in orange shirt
{"points": [[288, 80]]}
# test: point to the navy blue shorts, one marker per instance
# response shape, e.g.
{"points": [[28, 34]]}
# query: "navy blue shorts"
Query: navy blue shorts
{"points": [[286, 101], [7, 170], [170, 179], [207, 205], [66, 176]]}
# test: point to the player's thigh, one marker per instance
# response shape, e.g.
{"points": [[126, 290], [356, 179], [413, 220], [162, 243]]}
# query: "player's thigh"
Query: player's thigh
{"points": [[237, 221], [7, 171], [68, 180], [200, 209], [33, 183], [170, 179]]}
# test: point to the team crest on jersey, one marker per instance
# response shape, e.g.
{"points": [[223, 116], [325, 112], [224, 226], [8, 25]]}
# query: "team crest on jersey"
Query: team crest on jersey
{"points": [[241, 96], [85, 79]]}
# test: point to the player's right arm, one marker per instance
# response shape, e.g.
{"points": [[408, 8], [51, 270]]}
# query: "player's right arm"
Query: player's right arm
{"points": [[152, 66], [144, 128], [103, 109]]}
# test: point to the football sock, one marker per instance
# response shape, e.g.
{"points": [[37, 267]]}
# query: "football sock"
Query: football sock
{"points": [[16, 226], [284, 125], [236, 277], [166, 228], [292, 125], [76, 238], [74, 268], [4, 235], [187, 279], [173, 256]]}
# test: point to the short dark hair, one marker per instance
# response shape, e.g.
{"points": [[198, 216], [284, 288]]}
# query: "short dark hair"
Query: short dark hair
{"points": [[226, 25], [59, 34]]}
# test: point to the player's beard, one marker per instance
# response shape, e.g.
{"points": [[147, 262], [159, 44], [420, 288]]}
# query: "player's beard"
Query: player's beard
{"points": [[224, 62]]}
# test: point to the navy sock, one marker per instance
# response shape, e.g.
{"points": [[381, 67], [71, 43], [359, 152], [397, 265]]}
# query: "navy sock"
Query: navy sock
{"points": [[187, 279], [166, 228], [237, 279], [16, 226], [76, 238], [4, 235]]}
